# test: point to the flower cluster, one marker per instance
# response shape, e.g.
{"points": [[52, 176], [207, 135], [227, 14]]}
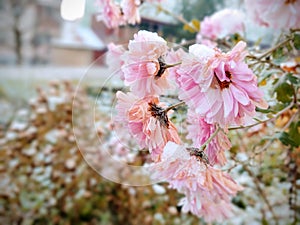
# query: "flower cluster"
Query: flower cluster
{"points": [[219, 86], [278, 14], [219, 90], [207, 190], [147, 122], [144, 68], [220, 25], [115, 14]]}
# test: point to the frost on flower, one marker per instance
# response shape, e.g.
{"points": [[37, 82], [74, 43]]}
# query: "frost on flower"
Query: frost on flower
{"points": [[114, 59], [278, 14], [207, 190], [110, 13], [146, 121], [131, 11], [219, 86], [199, 131], [174, 57], [220, 25], [144, 68]]}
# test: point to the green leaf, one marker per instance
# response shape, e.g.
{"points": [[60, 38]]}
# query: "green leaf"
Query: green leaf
{"points": [[289, 46], [264, 221], [278, 53], [235, 38], [283, 90], [286, 139], [275, 81], [238, 201], [269, 110], [293, 79], [294, 133], [296, 41]]}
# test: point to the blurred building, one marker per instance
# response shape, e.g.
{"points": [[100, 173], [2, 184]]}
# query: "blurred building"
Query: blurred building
{"points": [[76, 46], [26, 29], [33, 32]]}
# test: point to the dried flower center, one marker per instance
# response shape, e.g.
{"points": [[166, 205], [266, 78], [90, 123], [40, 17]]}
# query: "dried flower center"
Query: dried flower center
{"points": [[289, 1], [200, 154], [162, 68], [159, 113], [224, 84]]}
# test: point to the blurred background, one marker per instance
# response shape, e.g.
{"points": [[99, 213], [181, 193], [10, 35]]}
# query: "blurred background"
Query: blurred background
{"points": [[44, 178]]}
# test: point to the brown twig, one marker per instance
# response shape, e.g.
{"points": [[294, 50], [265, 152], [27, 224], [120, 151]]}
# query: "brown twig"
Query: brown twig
{"points": [[174, 106], [264, 121], [274, 48]]}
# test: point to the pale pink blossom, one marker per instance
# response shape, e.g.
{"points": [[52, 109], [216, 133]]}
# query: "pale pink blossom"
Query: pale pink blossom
{"points": [[207, 190], [174, 57], [220, 25], [146, 121], [114, 59], [143, 69], [199, 131], [205, 41], [110, 13], [278, 14], [220, 86], [130, 9]]}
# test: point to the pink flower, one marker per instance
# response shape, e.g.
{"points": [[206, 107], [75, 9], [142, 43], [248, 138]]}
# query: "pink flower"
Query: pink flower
{"points": [[199, 131], [146, 121], [278, 14], [205, 41], [144, 64], [131, 11], [114, 60], [222, 24], [174, 57], [220, 86], [207, 190], [110, 13]]}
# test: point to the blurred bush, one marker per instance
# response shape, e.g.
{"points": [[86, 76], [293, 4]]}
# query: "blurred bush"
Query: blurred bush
{"points": [[44, 179]]}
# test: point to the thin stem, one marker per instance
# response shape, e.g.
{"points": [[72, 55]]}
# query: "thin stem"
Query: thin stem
{"points": [[264, 121], [174, 106], [210, 138], [270, 142], [274, 48], [258, 60], [171, 65], [179, 18]]}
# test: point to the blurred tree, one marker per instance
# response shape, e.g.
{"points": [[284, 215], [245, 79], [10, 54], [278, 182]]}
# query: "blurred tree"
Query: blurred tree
{"points": [[192, 9], [18, 8]]}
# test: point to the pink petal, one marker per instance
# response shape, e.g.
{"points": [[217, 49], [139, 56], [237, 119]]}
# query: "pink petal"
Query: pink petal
{"points": [[228, 101], [239, 95]]}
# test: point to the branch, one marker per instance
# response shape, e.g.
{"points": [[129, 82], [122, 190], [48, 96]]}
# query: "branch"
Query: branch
{"points": [[274, 48], [267, 61], [174, 106], [264, 121]]}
